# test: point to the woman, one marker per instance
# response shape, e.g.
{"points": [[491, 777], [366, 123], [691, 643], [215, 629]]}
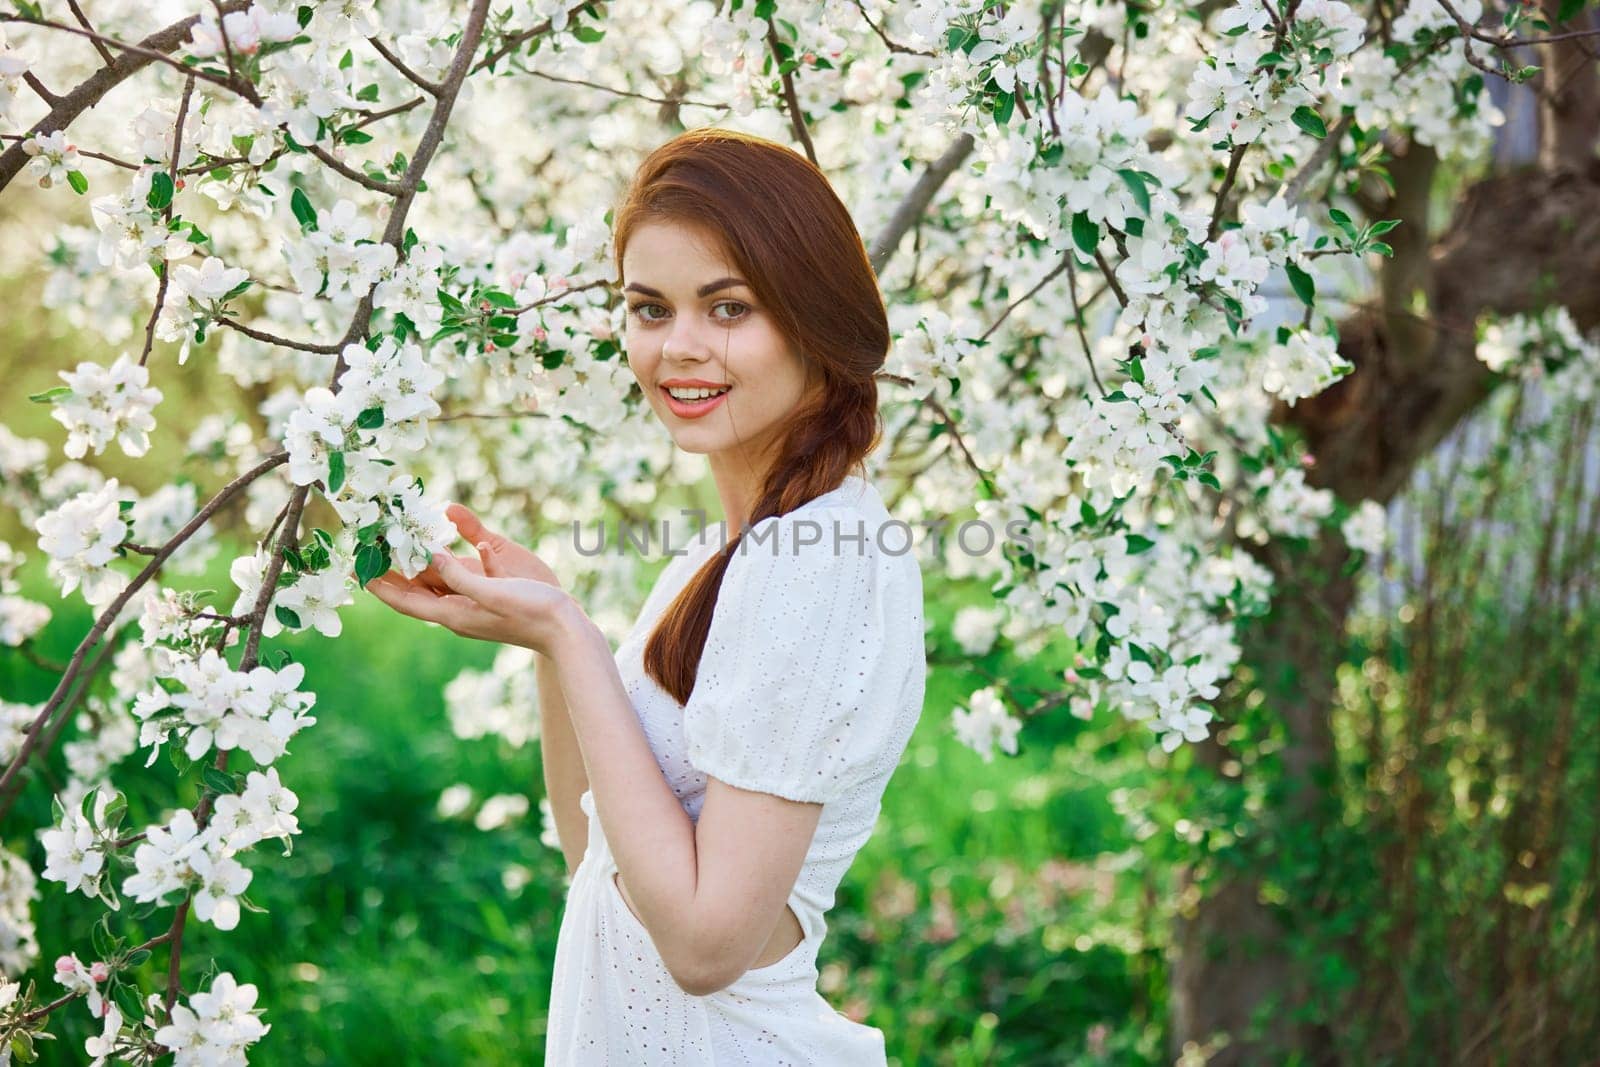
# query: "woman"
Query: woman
{"points": [[712, 780]]}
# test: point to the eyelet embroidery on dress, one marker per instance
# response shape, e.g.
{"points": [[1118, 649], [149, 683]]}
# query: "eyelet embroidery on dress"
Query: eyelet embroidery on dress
{"points": [[612, 1002]]}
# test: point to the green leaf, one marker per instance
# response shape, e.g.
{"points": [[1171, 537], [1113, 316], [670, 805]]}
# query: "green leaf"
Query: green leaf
{"points": [[1382, 226], [371, 561], [370, 419], [300, 204], [160, 194], [1301, 282], [50, 395], [79, 183], [1135, 184], [368, 93], [1085, 234], [1006, 104], [355, 136], [1309, 121], [1138, 544], [217, 780], [287, 616], [335, 472], [588, 34]]}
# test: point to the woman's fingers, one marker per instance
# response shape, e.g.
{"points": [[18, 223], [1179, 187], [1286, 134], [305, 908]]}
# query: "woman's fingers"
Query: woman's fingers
{"points": [[468, 524], [455, 574], [486, 559], [412, 598]]}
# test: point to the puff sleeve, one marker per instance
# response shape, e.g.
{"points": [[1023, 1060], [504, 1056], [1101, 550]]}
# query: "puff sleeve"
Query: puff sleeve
{"points": [[797, 685]]}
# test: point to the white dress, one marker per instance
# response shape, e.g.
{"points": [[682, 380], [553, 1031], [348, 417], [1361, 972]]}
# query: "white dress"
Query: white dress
{"points": [[809, 687]]}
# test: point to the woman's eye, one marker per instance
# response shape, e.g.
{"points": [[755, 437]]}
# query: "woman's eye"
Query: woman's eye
{"points": [[640, 310]]}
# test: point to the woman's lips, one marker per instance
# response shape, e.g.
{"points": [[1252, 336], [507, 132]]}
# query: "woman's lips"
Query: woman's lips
{"points": [[693, 409]]}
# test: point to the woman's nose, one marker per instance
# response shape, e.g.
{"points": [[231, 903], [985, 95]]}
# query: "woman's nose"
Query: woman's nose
{"points": [[684, 347]]}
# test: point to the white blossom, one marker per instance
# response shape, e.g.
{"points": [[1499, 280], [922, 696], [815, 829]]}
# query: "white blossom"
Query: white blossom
{"points": [[106, 403], [986, 723]]}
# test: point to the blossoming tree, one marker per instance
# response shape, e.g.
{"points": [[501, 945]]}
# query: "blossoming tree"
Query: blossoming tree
{"points": [[1077, 212]]}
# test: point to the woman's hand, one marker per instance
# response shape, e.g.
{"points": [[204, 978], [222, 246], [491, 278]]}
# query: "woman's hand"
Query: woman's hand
{"points": [[508, 594]]}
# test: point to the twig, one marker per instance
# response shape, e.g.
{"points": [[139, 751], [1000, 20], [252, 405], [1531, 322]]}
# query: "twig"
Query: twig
{"points": [[166, 219], [377, 185], [1077, 321], [559, 294], [627, 92], [48, 744], [83, 20], [796, 117], [1500, 40], [1111, 278], [37, 86], [1228, 179], [1065, 262], [113, 160], [227, 44], [890, 45], [281, 342], [1324, 151], [431, 88]]}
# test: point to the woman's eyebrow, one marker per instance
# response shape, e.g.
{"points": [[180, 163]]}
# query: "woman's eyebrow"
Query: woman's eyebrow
{"points": [[705, 290]]}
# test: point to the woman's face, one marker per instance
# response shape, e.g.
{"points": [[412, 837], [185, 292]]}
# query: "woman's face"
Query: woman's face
{"points": [[691, 318]]}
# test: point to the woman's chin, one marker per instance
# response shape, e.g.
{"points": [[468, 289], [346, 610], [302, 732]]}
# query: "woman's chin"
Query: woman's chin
{"points": [[695, 442]]}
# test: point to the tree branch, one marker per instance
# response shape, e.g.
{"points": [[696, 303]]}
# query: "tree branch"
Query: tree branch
{"points": [[917, 201]]}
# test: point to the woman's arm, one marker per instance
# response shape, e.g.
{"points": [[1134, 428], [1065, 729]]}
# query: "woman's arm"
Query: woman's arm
{"points": [[564, 776], [710, 898]]}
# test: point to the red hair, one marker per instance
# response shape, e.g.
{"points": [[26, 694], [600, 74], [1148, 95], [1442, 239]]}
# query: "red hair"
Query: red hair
{"points": [[785, 229]]}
